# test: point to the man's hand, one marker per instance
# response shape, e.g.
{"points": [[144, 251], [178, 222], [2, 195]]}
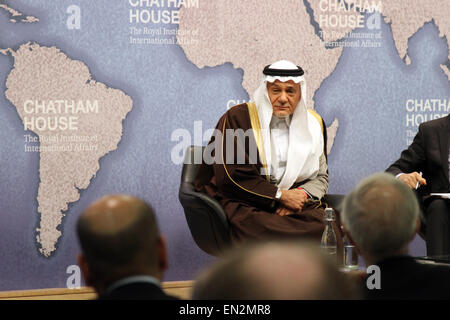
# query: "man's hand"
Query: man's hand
{"points": [[293, 199], [413, 179]]}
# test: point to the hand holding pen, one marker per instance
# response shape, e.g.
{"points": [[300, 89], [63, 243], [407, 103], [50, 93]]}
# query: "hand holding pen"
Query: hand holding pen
{"points": [[413, 180]]}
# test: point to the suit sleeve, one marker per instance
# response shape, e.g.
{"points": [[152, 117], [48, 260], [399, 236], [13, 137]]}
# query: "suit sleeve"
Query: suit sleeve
{"points": [[412, 159], [318, 186]]}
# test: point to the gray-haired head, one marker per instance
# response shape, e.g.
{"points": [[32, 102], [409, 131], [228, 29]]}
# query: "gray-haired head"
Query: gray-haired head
{"points": [[381, 215], [275, 270]]}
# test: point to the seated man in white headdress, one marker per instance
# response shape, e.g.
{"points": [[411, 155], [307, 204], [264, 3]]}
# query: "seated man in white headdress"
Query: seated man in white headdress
{"points": [[269, 169]]}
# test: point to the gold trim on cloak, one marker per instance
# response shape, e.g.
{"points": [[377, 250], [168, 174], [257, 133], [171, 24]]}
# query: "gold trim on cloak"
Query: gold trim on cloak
{"points": [[256, 125], [254, 121], [318, 117]]}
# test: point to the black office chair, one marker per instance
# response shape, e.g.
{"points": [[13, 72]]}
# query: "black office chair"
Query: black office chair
{"points": [[206, 219]]}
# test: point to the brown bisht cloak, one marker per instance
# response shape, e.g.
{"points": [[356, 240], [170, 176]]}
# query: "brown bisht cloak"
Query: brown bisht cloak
{"points": [[245, 193]]}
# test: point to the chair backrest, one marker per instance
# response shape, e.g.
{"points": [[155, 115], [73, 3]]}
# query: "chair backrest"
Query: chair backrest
{"points": [[334, 200], [205, 217]]}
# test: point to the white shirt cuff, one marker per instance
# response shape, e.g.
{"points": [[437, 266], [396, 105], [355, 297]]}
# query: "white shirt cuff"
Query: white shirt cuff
{"points": [[396, 177]]}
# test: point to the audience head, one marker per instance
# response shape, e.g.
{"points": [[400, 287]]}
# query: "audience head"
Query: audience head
{"points": [[381, 216], [275, 270], [119, 238]]}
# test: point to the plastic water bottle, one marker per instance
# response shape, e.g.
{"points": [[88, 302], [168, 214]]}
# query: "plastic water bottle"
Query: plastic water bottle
{"points": [[329, 242]]}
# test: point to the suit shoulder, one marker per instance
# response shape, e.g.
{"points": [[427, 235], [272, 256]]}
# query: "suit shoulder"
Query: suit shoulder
{"points": [[434, 123]]}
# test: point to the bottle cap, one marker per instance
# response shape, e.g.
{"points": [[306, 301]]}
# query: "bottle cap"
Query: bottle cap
{"points": [[329, 214]]}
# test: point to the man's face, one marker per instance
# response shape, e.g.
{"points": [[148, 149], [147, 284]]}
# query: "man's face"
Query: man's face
{"points": [[284, 97]]}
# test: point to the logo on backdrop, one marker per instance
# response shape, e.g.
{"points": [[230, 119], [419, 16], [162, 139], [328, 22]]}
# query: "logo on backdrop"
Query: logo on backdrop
{"points": [[374, 280], [339, 18], [422, 110], [147, 16], [74, 20], [74, 279]]}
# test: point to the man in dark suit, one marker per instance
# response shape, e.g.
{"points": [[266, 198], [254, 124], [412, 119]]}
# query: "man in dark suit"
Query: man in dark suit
{"points": [[381, 217], [429, 155], [124, 255]]}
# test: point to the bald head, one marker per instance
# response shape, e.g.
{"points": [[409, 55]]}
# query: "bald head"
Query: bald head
{"points": [[113, 214], [119, 237], [274, 270]]}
